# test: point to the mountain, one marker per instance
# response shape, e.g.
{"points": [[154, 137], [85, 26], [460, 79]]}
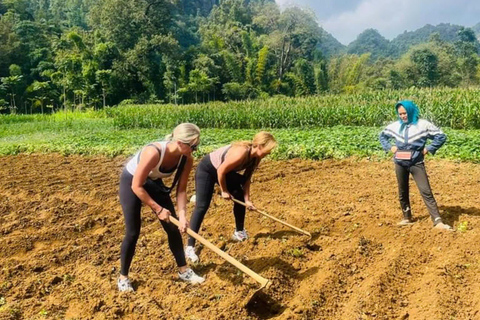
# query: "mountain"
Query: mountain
{"points": [[447, 32], [476, 28], [371, 41], [329, 45]]}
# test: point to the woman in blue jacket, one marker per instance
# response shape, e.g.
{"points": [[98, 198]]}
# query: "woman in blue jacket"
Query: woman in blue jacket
{"points": [[411, 134]]}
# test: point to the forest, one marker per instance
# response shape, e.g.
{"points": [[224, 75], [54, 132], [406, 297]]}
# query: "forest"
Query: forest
{"points": [[75, 54]]}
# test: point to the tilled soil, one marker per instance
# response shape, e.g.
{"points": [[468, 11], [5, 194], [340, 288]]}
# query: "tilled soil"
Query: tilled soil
{"points": [[61, 227]]}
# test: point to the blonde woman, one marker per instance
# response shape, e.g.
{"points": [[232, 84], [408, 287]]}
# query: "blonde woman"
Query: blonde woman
{"points": [[222, 166], [141, 182]]}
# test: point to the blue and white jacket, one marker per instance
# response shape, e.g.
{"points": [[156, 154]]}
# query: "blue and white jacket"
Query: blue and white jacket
{"points": [[413, 138]]}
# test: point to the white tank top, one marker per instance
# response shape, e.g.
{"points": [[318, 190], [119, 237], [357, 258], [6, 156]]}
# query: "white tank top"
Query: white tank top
{"points": [[155, 173]]}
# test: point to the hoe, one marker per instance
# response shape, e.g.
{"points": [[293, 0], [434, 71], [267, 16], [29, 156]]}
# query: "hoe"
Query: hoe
{"points": [[264, 283], [276, 219]]}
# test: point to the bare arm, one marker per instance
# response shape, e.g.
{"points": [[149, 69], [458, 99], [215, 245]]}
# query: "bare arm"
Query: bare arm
{"points": [[248, 174], [246, 188], [182, 195], [148, 160]]}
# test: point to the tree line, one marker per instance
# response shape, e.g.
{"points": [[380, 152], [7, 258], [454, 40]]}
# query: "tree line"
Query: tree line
{"points": [[74, 54]]}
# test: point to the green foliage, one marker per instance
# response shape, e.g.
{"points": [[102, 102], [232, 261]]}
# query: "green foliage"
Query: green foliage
{"points": [[296, 252], [92, 133], [426, 62], [74, 54], [370, 41], [321, 77], [462, 226], [446, 33], [454, 108], [43, 313], [238, 91], [329, 46], [261, 65], [234, 66], [305, 72], [346, 73], [354, 74]]}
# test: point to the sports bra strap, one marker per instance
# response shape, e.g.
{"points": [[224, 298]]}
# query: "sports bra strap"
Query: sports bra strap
{"points": [[150, 145]]}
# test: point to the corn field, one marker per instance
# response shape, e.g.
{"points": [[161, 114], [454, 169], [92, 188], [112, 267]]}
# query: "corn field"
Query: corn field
{"points": [[453, 108]]}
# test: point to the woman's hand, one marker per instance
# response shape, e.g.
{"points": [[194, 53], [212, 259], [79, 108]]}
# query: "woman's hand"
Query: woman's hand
{"points": [[226, 195], [425, 151], [163, 214], [183, 224], [250, 205], [394, 149]]}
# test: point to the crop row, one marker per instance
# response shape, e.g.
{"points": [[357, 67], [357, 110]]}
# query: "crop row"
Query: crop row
{"points": [[100, 137], [453, 108]]}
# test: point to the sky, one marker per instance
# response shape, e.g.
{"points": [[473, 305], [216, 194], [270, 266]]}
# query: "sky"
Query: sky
{"points": [[346, 19]]}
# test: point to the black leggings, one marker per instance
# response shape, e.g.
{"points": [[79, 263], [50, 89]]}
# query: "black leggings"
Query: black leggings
{"points": [[421, 179], [131, 206], [205, 179]]}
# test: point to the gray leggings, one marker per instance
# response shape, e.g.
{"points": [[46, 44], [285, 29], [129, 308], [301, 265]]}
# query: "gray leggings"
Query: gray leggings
{"points": [[421, 179]]}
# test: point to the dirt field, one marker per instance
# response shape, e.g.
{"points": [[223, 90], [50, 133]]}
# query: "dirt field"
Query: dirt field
{"points": [[61, 227]]}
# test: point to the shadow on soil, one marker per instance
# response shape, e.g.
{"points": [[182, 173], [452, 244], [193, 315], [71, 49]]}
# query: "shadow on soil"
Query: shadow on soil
{"points": [[263, 306], [451, 214]]}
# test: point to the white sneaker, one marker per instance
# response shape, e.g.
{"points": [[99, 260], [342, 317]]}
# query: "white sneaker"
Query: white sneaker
{"points": [[124, 285], [405, 222], [190, 254], [443, 226], [240, 235], [190, 276]]}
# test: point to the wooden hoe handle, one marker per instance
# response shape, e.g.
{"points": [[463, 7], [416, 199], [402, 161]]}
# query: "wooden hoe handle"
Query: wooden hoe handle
{"points": [[224, 255], [276, 219]]}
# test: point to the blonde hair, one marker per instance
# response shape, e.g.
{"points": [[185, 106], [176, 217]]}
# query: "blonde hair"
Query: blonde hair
{"points": [[185, 132], [263, 138]]}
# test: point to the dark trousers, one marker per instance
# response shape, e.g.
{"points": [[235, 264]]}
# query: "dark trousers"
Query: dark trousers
{"points": [[205, 179], [421, 179], [131, 206]]}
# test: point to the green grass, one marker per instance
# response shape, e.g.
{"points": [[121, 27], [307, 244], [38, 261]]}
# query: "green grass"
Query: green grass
{"points": [[98, 136]]}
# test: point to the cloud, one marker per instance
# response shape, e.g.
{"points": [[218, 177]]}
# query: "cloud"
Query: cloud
{"points": [[387, 16], [325, 8], [346, 19]]}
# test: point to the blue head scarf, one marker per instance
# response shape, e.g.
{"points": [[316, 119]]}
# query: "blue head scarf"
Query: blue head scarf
{"points": [[412, 113]]}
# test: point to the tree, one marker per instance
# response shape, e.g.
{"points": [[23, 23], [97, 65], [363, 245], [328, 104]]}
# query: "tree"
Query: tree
{"points": [[238, 91], [104, 77], [297, 36], [9, 41], [355, 72], [467, 52], [41, 90], [199, 83], [306, 75], [72, 54], [11, 84], [261, 65], [125, 22], [321, 76], [426, 63]]}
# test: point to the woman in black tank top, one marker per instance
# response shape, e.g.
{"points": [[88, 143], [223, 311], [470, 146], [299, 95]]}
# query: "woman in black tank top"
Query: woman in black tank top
{"points": [[241, 156]]}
